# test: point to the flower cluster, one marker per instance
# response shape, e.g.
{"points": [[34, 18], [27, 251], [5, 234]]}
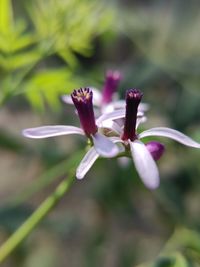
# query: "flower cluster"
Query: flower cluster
{"points": [[114, 133]]}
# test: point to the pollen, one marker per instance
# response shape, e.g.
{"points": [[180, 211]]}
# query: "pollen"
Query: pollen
{"points": [[82, 94], [135, 94]]}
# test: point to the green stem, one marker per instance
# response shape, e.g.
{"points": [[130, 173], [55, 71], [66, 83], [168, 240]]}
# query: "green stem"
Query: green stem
{"points": [[7, 248]]}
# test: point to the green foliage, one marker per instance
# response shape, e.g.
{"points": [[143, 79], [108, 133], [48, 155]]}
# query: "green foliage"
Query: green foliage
{"points": [[47, 85], [176, 260], [64, 27], [55, 29], [14, 40]]}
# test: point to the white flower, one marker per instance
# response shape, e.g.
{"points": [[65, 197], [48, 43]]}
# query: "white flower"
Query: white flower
{"points": [[143, 155], [93, 129]]}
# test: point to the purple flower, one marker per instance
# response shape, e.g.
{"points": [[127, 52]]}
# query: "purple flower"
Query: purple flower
{"points": [[144, 156], [101, 145], [97, 131], [107, 100]]}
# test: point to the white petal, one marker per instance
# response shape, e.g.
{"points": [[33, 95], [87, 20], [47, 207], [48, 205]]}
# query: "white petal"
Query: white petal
{"points": [[143, 107], [120, 143], [104, 146], [117, 114], [113, 126], [144, 164], [97, 97], [51, 130], [67, 99], [119, 104], [107, 108], [116, 139], [170, 133], [111, 116], [114, 105], [90, 157]]}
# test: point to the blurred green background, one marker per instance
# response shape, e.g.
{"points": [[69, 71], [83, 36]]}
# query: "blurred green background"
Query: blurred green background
{"points": [[48, 48]]}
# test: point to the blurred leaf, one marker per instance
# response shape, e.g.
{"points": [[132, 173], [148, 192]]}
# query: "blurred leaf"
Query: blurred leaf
{"points": [[67, 26], [60, 28], [175, 260], [183, 239], [180, 261], [16, 38], [164, 262], [68, 57], [48, 85], [6, 15], [19, 60], [23, 41]]}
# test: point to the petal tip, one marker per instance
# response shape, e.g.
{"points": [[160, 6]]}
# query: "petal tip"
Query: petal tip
{"points": [[153, 186], [27, 133], [79, 176]]}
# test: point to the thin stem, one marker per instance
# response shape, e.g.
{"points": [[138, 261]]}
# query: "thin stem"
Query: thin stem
{"points": [[26, 228]]}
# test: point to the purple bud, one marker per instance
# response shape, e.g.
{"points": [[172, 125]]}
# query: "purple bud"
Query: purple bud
{"points": [[110, 87], [133, 98], [156, 149], [82, 99]]}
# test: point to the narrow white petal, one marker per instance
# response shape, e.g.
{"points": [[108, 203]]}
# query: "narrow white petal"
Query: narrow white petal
{"points": [[104, 146], [90, 157], [116, 139], [51, 130], [170, 133], [117, 114], [144, 164], [113, 126], [67, 99], [111, 116], [121, 104]]}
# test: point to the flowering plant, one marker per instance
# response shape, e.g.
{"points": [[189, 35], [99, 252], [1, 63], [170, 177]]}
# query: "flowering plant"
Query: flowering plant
{"points": [[105, 134]]}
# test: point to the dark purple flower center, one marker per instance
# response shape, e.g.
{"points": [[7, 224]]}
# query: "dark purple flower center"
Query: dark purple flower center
{"points": [[82, 99], [111, 83], [133, 98]]}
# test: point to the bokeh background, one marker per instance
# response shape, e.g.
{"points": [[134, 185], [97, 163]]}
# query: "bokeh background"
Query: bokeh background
{"points": [[48, 48]]}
